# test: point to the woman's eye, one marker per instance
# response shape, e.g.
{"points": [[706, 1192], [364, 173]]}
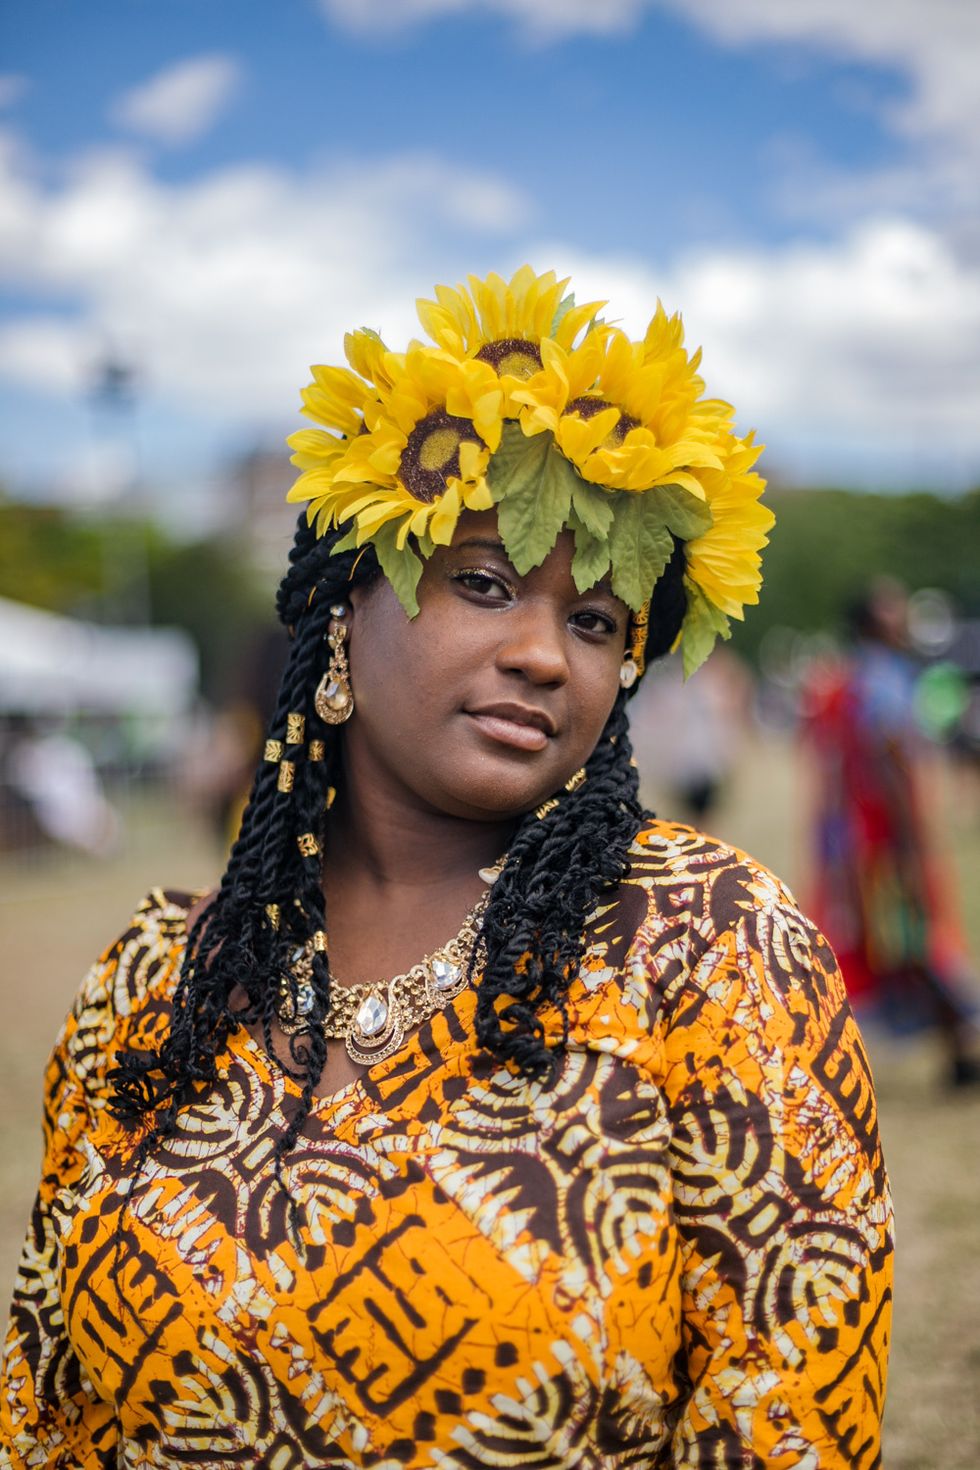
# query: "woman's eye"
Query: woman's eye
{"points": [[483, 583], [591, 621]]}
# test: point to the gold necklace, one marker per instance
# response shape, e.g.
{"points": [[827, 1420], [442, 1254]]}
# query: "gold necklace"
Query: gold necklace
{"points": [[372, 1018]]}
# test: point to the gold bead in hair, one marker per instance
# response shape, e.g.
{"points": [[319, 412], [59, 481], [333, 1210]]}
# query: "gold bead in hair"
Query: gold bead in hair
{"points": [[316, 750], [546, 807], [295, 729], [286, 773], [320, 942], [272, 751], [574, 781], [272, 914], [307, 844]]}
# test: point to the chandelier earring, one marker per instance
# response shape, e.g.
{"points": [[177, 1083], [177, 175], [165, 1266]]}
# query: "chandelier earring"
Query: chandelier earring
{"points": [[334, 698]]}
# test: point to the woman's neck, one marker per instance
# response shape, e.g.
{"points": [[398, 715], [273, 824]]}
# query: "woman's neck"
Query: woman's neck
{"points": [[388, 844]]}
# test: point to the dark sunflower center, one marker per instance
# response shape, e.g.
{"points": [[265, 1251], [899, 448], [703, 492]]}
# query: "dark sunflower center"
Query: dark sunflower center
{"points": [[587, 408], [512, 355], [432, 454]]}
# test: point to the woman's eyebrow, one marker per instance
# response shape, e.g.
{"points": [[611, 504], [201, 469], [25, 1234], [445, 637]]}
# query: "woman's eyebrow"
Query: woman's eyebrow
{"points": [[483, 543]]}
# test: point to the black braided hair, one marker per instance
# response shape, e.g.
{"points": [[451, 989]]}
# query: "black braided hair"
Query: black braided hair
{"points": [[270, 900]]}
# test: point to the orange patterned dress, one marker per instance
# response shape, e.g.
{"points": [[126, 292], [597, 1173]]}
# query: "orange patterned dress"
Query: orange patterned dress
{"points": [[678, 1256]]}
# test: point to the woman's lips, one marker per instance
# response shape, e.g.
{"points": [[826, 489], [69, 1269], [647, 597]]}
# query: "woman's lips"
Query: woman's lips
{"points": [[511, 732]]}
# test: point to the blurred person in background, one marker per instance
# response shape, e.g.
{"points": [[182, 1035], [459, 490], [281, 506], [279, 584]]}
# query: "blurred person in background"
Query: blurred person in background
{"points": [[881, 894], [595, 1179], [688, 733], [52, 779]]}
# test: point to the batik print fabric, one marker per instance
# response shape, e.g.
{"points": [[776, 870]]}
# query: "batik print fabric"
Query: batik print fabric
{"points": [[679, 1256]]}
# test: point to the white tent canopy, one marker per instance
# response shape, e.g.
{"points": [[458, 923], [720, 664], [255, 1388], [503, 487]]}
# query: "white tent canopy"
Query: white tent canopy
{"points": [[57, 665]]}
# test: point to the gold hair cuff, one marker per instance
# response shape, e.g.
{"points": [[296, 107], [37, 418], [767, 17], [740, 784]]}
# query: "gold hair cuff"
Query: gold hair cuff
{"points": [[295, 729], [316, 751], [272, 751], [307, 844], [286, 773], [639, 626], [546, 807], [319, 942], [272, 914]]}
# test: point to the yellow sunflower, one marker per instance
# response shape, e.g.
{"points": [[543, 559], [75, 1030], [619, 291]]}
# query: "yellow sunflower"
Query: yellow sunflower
{"points": [[636, 422], [426, 429], [503, 323], [724, 562]]}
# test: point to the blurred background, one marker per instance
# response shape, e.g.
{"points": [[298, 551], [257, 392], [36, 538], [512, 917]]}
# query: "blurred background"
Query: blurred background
{"points": [[197, 201]]}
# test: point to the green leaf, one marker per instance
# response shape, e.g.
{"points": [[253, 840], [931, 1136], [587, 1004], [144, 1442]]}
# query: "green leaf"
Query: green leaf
{"points": [[682, 513], [532, 482], [402, 568], [640, 546], [593, 506], [348, 541], [703, 623], [425, 544], [590, 563], [561, 311]]}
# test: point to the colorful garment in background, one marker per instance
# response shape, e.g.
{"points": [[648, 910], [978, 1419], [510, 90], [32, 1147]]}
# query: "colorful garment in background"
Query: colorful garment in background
{"points": [[679, 1256], [879, 894]]}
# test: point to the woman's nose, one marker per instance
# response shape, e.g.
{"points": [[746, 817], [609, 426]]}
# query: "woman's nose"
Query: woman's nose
{"points": [[535, 646]]}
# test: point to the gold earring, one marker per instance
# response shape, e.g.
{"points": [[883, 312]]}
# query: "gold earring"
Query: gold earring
{"points": [[334, 698]]}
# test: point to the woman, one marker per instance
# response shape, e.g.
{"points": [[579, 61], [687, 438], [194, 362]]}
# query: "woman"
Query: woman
{"points": [[597, 1181]]}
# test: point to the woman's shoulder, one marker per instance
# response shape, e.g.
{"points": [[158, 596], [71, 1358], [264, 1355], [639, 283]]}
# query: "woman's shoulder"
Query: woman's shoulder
{"points": [[693, 867], [709, 891], [133, 966], [124, 998]]}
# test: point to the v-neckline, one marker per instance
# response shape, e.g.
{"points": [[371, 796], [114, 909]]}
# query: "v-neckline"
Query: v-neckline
{"points": [[251, 1052]]}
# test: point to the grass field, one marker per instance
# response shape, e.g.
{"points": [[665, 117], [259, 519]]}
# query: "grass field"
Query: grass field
{"points": [[56, 913]]}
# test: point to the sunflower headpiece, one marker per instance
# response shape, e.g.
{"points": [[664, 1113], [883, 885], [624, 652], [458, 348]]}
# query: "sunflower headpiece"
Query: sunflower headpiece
{"points": [[525, 401]]}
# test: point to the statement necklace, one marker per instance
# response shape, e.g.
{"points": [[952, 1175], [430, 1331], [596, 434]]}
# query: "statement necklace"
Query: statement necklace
{"points": [[372, 1018]]}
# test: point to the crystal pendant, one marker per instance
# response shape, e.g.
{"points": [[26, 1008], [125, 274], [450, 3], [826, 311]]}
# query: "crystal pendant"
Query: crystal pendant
{"points": [[293, 1011], [372, 1016], [305, 998], [445, 974]]}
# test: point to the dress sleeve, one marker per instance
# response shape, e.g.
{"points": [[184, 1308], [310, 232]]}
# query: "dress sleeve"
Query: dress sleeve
{"points": [[50, 1414], [781, 1203]]}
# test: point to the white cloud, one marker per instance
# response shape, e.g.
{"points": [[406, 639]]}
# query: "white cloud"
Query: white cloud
{"points": [[934, 46], [935, 43], [180, 103], [857, 357], [225, 289], [539, 20]]}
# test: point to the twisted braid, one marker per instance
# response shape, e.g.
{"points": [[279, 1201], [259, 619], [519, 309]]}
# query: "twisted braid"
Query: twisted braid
{"points": [[270, 900], [556, 868]]}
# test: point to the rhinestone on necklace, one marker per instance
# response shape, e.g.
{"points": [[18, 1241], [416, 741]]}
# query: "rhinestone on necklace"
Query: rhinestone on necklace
{"points": [[372, 1019]]}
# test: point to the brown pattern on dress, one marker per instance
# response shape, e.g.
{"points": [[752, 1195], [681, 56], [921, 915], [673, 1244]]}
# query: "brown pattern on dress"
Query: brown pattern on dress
{"points": [[678, 1256]]}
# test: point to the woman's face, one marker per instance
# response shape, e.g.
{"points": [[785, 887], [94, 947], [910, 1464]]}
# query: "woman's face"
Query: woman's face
{"points": [[488, 700]]}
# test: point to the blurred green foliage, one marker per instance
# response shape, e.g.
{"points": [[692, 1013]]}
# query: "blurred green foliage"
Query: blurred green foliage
{"points": [[826, 544]]}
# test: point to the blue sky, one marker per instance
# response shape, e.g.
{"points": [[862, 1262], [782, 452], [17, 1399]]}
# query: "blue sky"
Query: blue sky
{"points": [[213, 191]]}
